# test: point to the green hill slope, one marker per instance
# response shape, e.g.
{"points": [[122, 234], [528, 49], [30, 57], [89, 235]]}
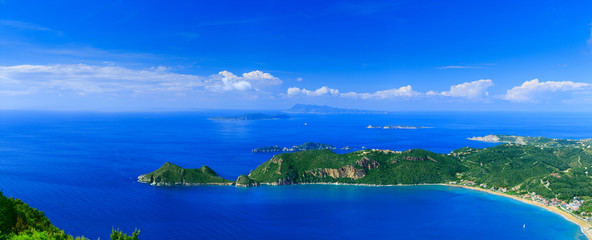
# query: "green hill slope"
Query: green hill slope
{"points": [[362, 167], [171, 174]]}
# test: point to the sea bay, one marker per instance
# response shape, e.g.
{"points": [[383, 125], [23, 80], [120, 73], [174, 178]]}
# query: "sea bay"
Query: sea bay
{"points": [[81, 170]]}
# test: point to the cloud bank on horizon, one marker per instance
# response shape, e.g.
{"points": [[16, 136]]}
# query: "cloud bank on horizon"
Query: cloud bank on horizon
{"points": [[110, 80]]}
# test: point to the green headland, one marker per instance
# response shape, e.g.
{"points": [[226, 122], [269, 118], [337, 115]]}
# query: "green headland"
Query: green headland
{"points": [[552, 168], [170, 174]]}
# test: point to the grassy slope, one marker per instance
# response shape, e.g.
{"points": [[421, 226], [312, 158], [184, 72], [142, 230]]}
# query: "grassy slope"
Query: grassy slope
{"points": [[409, 167], [172, 174], [530, 168]]}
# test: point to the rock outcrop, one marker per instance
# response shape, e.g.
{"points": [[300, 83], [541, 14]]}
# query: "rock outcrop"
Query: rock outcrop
{"points": [[367, 163], [170, 174], [342, 172], [245, 181]]}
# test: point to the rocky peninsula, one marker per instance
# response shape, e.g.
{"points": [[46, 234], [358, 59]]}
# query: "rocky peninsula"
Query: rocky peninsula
{"points": [[551, 172]]}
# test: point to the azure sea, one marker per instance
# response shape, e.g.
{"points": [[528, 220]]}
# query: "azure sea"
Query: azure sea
{"points": [[81, 169]]}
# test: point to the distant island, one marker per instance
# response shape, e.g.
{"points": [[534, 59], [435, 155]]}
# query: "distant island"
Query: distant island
{"points": [[397, 127], [252, 116], [170, 174], [536, 141], [301, 147], [324, 109]]}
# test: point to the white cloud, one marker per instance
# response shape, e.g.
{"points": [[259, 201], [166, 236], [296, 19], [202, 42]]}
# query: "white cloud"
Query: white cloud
{"points": [[23, 25], [459, 67], [405, 91], [85, 79], [472, 90], [294, 91], [227, 81], [469, 90], [590, 39], [299, 79], [529, 90]]}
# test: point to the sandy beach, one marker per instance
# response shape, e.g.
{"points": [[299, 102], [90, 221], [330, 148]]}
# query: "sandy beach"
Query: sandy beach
{"points": [[584, 226]]}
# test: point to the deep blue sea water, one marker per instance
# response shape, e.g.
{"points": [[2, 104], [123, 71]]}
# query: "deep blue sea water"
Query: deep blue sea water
{"points": [[81, 170]]}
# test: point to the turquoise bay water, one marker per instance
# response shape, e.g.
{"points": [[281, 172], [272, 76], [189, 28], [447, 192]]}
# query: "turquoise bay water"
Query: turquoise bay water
{"points": [[81, 169]]}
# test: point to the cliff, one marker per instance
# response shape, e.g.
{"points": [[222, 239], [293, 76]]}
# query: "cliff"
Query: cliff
{"points": [[245, 181]]}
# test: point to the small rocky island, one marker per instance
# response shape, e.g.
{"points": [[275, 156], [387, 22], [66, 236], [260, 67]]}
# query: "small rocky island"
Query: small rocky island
{"points": [[172, 175], [252, 116], [302, 147]]}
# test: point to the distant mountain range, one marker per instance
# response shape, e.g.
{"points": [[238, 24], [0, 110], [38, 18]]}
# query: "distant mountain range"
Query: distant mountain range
{"points": [[324, 109], [252, 116]]}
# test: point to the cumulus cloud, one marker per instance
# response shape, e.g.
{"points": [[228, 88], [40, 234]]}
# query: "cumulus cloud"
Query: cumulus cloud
{"points": [[459, 67], [84, 79], [227, 81], [405, 91], [323, 91], [529, 90], [472, 90]]}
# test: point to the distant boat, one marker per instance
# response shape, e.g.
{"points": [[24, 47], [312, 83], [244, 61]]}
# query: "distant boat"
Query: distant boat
{"points": [[524, 226]]}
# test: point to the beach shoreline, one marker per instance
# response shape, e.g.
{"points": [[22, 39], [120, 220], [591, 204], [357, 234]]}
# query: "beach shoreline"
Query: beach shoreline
{"points": [[585, 227]]}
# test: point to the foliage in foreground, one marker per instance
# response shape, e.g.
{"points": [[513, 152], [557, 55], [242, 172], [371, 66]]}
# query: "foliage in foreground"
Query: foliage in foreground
{"points": [[19, 221]]}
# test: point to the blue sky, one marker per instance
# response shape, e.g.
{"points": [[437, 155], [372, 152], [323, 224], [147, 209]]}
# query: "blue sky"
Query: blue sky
{"points": [[387, 55]]}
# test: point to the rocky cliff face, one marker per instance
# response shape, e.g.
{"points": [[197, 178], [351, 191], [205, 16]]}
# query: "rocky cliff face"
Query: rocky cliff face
{"points": [[342, 172], [367, 163], [245, 181]]}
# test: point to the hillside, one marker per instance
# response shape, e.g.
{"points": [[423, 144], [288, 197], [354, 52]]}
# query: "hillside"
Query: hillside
{"points": [[362, 167], [552, 172], [171, 174]]}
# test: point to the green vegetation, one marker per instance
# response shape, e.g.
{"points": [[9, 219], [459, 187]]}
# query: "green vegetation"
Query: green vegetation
{"points": [[171, 174], [118, 235], [302, 147], [245, 181], [362, 167], [553, 168], [19, 221]]}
